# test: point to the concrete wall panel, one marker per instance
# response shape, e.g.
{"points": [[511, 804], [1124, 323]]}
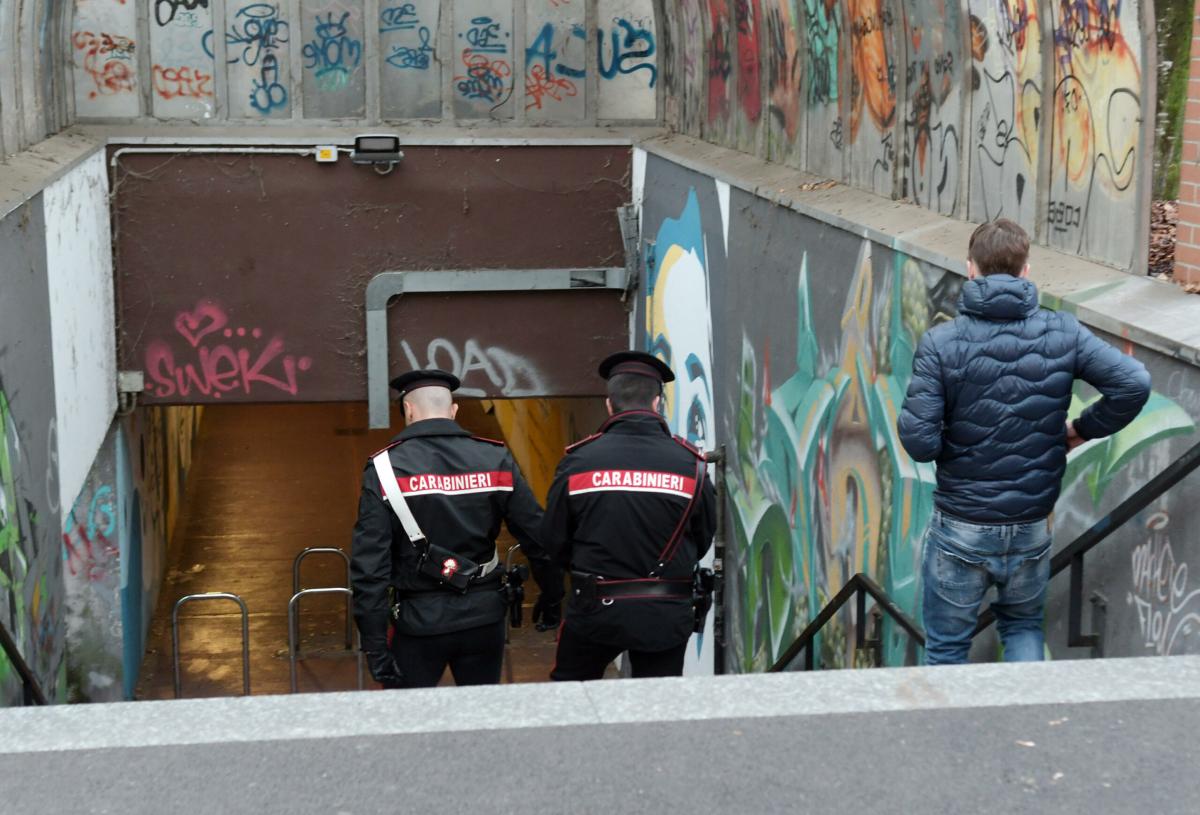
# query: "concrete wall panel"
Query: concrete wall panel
{"points": [[1095, 139], [334, 60], [482, 59], [692, 52], [874, 28], [79, 264], [181, 52], [1006, 109], [555, 60], [825, 84], [258, 42], [411, 59], [105, 46], [627, 51]]}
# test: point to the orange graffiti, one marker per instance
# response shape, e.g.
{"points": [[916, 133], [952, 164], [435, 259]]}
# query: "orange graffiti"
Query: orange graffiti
{"points": [[1096, 102], [538, 86], [108, 59], [182, 81], [872, 78]]}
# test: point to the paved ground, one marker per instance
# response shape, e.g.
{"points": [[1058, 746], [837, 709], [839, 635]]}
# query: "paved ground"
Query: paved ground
{"points": [[268, 481], [1103, 736]]}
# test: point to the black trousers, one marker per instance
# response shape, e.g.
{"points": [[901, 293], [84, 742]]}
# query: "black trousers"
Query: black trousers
{"points": [[580, 660], [475, 656]]}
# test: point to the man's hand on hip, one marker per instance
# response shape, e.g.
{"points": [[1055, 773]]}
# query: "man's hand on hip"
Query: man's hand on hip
{"points": [[1073, 437]]}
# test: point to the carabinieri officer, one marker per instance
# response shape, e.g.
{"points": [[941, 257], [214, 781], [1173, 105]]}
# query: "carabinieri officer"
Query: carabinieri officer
{"points": [[630, 513], [449, 606]]}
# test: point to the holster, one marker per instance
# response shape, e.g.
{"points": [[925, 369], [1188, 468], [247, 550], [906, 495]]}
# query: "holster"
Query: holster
{"points": [[703, 582], [446, 567], [514, 594]]}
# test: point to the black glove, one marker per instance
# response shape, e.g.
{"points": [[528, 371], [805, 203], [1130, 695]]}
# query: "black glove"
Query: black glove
{"points": [[384, 669], [546, 615]]}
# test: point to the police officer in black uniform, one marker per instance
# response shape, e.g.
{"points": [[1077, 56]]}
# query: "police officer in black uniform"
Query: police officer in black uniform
{"points": [[630, 513], [458, 488]]}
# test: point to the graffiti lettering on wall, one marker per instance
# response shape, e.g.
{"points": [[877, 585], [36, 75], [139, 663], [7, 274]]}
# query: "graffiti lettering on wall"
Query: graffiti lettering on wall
{"points": [[332, 55], [691, 23], [506, 373], [109, 60], [486, 71], [249, 360], [182, 81], [626, 48], [257, 33], [547, 77], [167, 11], [1167, 606], [415, 54], [1006, 81]]}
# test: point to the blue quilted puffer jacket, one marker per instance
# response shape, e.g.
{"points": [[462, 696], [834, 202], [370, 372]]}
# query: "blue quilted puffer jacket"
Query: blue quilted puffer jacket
{"points": [[989, 395]]}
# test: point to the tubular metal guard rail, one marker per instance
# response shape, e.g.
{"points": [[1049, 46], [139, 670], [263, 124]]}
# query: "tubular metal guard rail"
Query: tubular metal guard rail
{"points": [[30, 689], [328, 550], [212, 595], [858, 587], [294, 631], [1069, 557]]}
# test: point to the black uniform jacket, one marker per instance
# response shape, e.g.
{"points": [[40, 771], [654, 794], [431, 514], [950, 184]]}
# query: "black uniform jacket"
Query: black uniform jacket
{"points": [[615, 501], [462, 514]]}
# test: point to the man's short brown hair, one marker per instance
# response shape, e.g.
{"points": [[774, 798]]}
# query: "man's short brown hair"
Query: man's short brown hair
{"points": [[999, 247]]}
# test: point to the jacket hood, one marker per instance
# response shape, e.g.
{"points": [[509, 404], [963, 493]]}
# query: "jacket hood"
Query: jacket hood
{"points": [[999, 297]]}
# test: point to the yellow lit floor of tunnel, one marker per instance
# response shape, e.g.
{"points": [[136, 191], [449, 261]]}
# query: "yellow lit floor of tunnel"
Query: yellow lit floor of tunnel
{"points": [[270, 480]]}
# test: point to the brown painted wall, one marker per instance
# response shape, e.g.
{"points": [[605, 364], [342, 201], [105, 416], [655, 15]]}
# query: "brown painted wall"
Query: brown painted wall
{"points": [[243, 278]]}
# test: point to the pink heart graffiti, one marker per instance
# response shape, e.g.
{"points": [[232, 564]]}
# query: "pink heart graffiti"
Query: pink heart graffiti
{"points": [[192, 325]]}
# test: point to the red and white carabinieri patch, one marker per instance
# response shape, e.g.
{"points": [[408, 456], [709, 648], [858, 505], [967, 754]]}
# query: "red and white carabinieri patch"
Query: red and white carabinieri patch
{"points": [[631, 481], [456, 483]]}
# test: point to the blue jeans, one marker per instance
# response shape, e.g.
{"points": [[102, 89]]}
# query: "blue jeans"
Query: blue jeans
{"points": [[962, 561]]}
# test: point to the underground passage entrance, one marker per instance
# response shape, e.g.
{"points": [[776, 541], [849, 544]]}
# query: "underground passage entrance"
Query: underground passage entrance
{"points": [[269, 481]]}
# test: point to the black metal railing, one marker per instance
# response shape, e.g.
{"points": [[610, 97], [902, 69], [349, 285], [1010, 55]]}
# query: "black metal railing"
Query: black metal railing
{"points": [[31, 689], [858, 587], [1070, 557]]}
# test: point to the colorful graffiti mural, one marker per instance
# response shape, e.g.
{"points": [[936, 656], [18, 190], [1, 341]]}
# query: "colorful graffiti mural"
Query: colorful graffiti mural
{"points": [[804, 392], [935, 102]]}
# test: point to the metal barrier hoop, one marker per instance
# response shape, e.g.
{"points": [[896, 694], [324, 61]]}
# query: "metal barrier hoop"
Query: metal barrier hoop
{"points": [[212, 595], [328, 550], [294, 630]]}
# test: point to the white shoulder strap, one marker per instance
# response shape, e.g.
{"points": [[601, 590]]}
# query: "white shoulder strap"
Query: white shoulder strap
{"points": [[395, 497]]}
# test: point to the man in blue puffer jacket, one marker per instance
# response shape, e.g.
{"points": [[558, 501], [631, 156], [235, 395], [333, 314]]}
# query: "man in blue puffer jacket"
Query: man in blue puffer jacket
{"points": [[988, 402]]}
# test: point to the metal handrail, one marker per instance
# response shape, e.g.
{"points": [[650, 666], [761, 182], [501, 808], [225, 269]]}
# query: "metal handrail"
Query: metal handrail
{"points": [[328, 550], [30, 689], [212, 595], [859, 586], [294, 631], [1069, 557]]}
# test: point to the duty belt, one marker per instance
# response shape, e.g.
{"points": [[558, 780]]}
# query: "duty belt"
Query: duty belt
{"points": [[586, 587]]}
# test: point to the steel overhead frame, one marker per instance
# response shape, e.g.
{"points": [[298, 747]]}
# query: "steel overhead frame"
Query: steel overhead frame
{"points": [[386, 285]]}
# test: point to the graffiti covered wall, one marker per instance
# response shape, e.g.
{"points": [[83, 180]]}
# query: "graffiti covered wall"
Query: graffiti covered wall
{"points": [[520, 61], [793, 343], [939, 102], [31, 583]]}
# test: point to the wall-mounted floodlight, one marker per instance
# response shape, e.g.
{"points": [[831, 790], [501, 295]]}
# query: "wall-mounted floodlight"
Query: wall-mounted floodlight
{"points": [[381, 151]]}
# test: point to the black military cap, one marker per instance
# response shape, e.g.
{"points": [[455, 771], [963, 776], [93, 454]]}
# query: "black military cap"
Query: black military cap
{"points": [[636, 362], [406, 383]]}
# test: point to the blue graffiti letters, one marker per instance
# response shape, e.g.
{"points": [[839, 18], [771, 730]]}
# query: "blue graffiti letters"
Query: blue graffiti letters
{"points": [[630, 53], [333, 55]]}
